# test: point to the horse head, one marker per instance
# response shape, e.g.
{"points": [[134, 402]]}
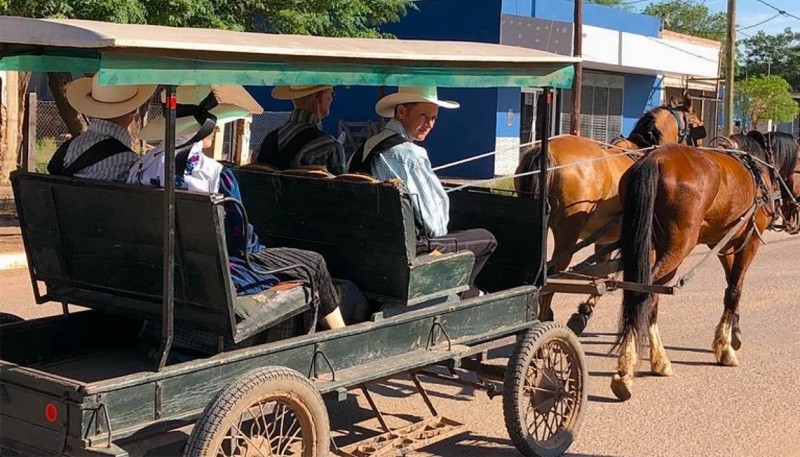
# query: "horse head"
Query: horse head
{"points": [[674, 122]]}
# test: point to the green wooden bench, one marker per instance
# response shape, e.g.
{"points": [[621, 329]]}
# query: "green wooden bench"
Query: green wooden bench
{"points": [[100, 245], [365, 230]]}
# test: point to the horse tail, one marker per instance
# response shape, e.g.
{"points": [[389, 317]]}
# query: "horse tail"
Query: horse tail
{"points": [[636, 244], [528, 185]]}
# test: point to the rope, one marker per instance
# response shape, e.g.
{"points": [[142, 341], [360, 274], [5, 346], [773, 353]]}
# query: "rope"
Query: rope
{"points": [[523, 145], [557, 167]]}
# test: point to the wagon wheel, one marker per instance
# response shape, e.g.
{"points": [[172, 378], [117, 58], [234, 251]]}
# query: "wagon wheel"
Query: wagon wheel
{"points": [[272, 411], [545, 391]]}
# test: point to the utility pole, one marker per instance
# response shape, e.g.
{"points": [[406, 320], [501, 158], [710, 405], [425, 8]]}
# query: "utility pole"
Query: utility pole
{"points": [[577, 81], [730, 53]]}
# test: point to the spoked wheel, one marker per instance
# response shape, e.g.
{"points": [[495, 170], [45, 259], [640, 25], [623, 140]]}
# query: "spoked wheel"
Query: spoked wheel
{"points": [[545, 391], [272, 411]]}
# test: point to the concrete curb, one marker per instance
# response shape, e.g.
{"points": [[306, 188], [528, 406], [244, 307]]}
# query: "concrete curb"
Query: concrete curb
{"points": [[13, 261]]}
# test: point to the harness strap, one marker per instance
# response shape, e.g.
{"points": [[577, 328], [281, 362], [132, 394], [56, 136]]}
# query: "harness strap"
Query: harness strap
{"points": [[718, 247]]}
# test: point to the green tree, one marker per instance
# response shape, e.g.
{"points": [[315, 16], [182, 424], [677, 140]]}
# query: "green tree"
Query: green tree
{"points": [[765, 97], [621, 4], [690, 17], [777, 54], [360, 18]]}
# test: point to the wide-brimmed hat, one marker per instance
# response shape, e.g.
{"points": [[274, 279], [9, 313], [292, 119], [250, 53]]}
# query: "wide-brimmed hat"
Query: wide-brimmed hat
{"points": [[293, 92], [106, 102], [419, 94], [226, 103]]}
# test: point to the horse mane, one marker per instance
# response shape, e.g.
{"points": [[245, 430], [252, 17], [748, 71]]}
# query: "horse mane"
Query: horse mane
{"points": [[646, 133], [751, 145], [784, 150]]}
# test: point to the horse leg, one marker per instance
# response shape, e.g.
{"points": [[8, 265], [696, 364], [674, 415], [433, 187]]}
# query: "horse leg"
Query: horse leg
{"points": [[659, 362], [622, 381], [580, 319], [664, 270], [736, 333], [566, 231], [737, 265]]}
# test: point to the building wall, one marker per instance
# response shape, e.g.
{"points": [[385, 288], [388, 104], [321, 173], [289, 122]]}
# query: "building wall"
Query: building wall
{"points": [[593, 15], [642, 93]]}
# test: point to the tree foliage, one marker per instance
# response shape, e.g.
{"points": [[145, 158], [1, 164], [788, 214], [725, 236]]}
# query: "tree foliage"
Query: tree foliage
{"points": [[691, 17], [765, 97], [777, 54], [621, 4], [310, 17]]}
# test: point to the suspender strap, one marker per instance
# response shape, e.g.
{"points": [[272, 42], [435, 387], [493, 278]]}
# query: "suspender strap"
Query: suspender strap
{"points": [[95, 154], [365, 166], [281, 158]]}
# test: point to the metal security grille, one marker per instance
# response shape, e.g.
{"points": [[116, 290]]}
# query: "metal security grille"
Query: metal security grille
{"points": [[601, 109]]}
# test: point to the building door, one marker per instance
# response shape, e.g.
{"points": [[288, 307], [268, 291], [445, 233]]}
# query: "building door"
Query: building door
{"points": [[530, 103]]}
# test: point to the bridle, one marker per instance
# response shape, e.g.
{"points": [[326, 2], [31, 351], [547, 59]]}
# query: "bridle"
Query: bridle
{"points": [[686, 133]]}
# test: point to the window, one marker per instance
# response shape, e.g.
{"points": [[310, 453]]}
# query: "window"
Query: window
{"points": [[601, 107]]}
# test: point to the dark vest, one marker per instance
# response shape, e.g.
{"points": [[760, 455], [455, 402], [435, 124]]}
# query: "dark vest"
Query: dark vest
{"points": [[281, 158]]}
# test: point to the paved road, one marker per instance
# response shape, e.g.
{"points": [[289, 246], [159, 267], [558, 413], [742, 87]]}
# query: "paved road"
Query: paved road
{"points": [[704, 409]]}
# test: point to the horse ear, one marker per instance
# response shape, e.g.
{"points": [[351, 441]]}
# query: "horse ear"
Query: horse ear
{"points": [[687, 101], [758, 136], [673, 102]]}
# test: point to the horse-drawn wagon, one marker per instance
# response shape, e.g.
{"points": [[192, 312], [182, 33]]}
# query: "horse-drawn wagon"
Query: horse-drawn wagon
{"points": [[165, 342]]}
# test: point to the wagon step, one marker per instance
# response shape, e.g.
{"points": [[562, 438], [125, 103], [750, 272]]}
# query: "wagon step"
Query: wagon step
{"points": [[408, 438]]}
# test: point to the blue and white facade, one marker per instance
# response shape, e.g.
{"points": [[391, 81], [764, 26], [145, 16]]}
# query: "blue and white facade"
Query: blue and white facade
{"points": [[630, 66]]}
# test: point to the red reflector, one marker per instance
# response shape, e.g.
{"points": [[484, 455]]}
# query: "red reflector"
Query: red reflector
{"points": [[173, 101], [50, 412]]}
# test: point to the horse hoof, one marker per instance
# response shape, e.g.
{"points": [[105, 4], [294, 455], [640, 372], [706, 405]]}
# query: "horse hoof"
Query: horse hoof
{"points": [[729, 359], [662, 369], [736, 339], [621, 387], [577, 323]]}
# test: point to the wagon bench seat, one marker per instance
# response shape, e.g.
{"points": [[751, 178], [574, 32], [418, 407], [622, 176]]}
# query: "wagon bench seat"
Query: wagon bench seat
{"points": [[365, 230], [100, 245]]}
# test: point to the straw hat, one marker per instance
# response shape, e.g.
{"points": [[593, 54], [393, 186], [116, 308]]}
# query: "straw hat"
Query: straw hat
{"points": [[232, 103], [293, 92], [106, 102], [425, 94]]}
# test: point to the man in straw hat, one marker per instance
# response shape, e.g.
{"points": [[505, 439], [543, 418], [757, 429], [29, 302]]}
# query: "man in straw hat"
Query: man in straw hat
{"points": [[102, 152], [301, 141], [199, 111], [392, 154]]}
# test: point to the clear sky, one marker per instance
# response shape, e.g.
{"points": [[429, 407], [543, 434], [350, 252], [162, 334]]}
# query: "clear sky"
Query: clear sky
{"points": [[752, 12]]}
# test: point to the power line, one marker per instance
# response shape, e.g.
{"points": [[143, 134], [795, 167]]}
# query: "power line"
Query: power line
{"points": [[760, 23], [780, 11]]}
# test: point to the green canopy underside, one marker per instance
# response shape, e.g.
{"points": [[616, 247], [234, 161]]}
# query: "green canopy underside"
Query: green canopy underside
{"points": [[126, 69]]}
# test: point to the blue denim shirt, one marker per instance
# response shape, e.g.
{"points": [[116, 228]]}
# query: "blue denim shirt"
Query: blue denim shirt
{"points": [[409, 162]]}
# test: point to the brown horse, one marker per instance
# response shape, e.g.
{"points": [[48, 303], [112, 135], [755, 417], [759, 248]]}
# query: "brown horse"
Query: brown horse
{"points": [[583, 188], [678, 197]]}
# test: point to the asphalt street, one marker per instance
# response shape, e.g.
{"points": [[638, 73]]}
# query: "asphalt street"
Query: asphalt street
{"points": [[704, 409]]}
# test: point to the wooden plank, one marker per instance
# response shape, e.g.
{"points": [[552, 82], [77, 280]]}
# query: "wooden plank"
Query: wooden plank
{"points": [[574, 286], [600, 269], [651, 288]]}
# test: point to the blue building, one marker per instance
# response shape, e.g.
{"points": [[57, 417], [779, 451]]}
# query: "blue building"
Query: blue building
{"points": [[630, 66]]}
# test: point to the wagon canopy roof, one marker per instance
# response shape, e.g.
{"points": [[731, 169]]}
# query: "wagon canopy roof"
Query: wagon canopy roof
{"points": [[147, 54]]}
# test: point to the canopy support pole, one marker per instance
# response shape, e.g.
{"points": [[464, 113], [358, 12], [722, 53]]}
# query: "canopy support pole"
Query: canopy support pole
{"points": [[167, 317]]}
